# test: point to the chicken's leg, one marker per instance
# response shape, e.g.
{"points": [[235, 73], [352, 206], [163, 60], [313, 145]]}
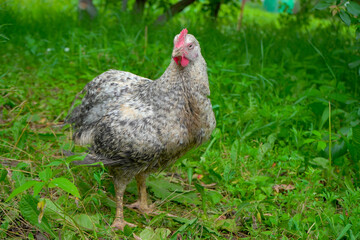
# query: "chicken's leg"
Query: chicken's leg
{"points": [[120, 183], [142, 203]]}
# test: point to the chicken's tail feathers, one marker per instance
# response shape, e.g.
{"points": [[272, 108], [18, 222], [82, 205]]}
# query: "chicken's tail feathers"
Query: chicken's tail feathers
{"points": [[89, 160], [67, 153], [73, 112]]}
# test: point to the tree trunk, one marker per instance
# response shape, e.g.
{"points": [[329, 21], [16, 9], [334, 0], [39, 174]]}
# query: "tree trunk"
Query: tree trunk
{"points": [[88, 7], [124, 5], [139, 6], [241, 14], [216, 9], [173, 10]]}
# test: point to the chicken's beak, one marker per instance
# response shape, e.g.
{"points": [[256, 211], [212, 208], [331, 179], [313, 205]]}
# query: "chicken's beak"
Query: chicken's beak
{"points": [[179, 57], [177, 52]]}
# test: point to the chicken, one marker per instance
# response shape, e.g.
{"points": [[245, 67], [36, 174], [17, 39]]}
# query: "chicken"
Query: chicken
{"points": [[136, 126]]}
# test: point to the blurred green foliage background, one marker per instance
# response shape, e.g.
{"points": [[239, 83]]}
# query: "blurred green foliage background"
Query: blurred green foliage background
{"points": [[283, 162]]}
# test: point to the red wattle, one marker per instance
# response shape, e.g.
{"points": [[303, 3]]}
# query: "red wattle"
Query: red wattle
{"points": [[176, 59], [184, 61], [181, 60]]}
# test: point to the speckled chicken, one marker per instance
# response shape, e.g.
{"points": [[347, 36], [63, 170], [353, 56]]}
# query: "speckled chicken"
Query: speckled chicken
{"points": [[136, 126]]}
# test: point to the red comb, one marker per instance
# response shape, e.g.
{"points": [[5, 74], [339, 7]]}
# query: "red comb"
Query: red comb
{"points": [[181, 39]]}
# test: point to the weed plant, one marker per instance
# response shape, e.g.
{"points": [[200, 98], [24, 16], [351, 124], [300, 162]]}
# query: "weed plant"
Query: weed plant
{"points": [[283, 162]]}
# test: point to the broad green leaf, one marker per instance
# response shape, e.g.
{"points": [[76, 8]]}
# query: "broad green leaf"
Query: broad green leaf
{"points": [[345, 17], [267, 190], [22, 165], [325, 115], [65, 185], [147, 233], [321, 145], [354, 64], [159, 234], [33, 118], [21, 189], [343, 98], [227, 224], [55, 212], [87, 221], [46, 174], [38, 187], [105, 200], [317, 133], [338, 149], [19, 178], [69, 235], [320, 162], [54, 163], [260, 197], [28, 209], [353, 8], [321, 5], [215, 197], [309, 140], [187, 197], [163, 189]]}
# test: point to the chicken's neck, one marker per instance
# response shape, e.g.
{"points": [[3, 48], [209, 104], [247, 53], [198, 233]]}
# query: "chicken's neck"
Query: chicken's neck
{"points": [[192, 79]]}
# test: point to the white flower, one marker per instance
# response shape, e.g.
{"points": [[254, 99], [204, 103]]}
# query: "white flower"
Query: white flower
{"points": [[49, 50], [66, 49]]}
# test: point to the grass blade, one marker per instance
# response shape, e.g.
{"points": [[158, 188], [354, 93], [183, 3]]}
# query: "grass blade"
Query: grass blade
{"points": [[344, 231]]}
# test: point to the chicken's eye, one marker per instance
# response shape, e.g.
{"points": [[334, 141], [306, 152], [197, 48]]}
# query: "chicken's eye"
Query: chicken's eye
{"points": [[191, 46]]}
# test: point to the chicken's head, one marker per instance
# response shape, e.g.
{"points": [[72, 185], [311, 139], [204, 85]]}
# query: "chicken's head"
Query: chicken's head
{"points": [[186, 48]]}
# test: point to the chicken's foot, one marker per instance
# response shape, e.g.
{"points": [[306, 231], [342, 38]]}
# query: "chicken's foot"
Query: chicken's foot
{"points": [[120, 224], [120, 183], [142, 203]]}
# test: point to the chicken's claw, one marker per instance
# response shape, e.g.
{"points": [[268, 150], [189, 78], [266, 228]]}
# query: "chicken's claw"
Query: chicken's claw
{"points": [[120, 224], [143, 208]]}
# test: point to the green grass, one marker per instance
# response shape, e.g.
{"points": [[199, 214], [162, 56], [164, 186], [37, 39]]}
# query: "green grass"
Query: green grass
{"points": [[264, 174]]}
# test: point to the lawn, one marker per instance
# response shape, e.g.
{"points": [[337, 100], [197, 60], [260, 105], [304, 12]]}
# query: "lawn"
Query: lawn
{"points": [[283, 162]]}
